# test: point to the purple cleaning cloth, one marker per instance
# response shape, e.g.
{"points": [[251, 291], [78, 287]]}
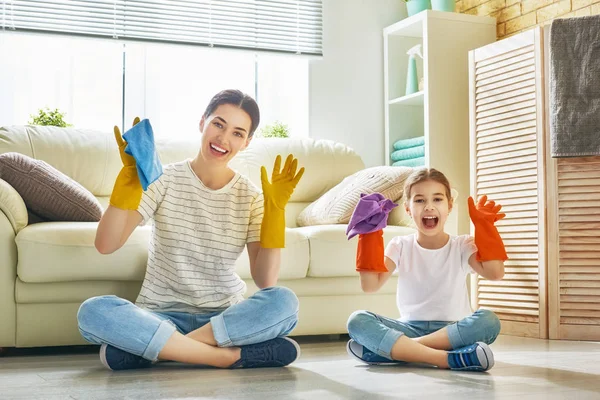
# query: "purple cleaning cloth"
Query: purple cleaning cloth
{"points": [[370, 214]]}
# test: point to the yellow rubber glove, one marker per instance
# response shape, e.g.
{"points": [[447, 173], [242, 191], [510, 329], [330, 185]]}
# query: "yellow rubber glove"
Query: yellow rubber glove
{"points": [[277, 193], [127, 192]]}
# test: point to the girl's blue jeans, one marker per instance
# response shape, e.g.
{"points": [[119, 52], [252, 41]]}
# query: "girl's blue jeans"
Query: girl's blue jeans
{"points": [[379, 334]]}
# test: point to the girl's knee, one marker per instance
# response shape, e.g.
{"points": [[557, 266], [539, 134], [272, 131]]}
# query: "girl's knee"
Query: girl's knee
{"points": [[489, 323]]}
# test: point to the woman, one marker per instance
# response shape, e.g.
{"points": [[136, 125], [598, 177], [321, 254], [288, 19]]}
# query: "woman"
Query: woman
{"points": [[191, 308]]}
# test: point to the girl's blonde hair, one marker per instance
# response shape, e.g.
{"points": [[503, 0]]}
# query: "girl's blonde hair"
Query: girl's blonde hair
{"points": [[426, 174]]}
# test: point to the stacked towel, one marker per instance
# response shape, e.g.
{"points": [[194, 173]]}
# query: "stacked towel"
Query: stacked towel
{"points": [[408, 143], [409, 152], [413, 162]]}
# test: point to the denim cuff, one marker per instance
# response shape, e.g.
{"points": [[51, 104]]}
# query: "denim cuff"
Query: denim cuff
{"points": [[220, 331], [389, 339], [454, 337], [161, 336]]}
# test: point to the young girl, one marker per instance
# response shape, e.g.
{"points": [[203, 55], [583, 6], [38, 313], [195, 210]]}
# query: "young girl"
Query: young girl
{"points": [[436, 325], [191, 308]]}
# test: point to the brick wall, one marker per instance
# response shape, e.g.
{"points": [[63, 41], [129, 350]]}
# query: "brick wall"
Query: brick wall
{"points": [[514, 16]]}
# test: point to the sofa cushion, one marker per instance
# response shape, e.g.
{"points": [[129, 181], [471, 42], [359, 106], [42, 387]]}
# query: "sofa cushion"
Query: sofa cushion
{"points": [[47, 192], [336, 206], [333, 255], [64, 252]]}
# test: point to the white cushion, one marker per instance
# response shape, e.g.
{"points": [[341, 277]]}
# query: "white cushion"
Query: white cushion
{"points": [[326, 163], [332, 254], [64, 251], [337, 205]]}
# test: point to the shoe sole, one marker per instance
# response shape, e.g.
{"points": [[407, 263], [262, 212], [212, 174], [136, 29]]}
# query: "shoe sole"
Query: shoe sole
{"points": [[485, 353], [296, 345], [103, 356], [349, 350]]}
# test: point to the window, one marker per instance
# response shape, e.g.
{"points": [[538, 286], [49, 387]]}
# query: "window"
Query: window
{"points": [[169, 84], [82, 77]]}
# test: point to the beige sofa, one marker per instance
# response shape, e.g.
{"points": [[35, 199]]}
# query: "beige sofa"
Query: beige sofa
{"points": [[47, 269]]}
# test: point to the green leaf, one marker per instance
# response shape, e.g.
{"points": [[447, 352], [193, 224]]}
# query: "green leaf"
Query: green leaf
{"points": [[47, 117], [277, 129]]}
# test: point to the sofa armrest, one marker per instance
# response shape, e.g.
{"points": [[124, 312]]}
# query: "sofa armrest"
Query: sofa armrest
{"points": [[8, 276], [13, 206]]}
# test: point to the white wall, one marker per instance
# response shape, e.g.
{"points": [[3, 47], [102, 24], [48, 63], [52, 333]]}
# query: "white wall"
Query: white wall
{"points": [[346, 86]]}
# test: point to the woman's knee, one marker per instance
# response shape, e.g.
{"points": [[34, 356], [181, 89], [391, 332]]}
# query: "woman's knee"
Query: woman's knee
{"points": [[358, 322], [94, 308], [284, 299], [489, 323]]}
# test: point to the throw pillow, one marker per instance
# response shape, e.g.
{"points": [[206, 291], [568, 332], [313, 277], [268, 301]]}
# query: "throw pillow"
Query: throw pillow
{"points": [[336, 206], [48, 193]]}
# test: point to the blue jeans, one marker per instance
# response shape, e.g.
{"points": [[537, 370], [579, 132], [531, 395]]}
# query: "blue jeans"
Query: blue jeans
{"points": [[267, 314], [379, 334]]}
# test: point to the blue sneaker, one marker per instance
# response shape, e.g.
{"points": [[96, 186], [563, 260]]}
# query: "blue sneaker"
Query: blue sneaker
{"points": [[116, 359], [365, 355], [277, 352], [476, 357]]}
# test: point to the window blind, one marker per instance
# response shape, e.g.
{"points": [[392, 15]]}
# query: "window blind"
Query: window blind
{"points": [[290, 26]]}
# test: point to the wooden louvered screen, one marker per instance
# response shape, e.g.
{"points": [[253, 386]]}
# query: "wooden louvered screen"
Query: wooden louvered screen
{"points": [[574, 259], [507, 153]]}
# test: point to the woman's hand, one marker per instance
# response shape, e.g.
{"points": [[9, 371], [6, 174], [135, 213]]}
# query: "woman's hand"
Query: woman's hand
{"points": [[276, 194]]}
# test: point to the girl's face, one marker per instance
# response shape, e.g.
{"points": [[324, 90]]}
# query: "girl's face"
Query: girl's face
{"points": [[429, 207], [225, 133]]}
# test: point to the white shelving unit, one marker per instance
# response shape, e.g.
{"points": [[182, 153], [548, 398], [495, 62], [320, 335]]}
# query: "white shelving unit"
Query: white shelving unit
{"points": [[440, 112]]}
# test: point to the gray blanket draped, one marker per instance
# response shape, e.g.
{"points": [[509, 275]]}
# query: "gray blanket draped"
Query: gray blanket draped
{"points": [[575, 87]]}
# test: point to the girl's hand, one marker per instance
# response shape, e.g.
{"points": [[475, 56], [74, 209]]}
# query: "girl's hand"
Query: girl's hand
{"points": [[487, 239]]}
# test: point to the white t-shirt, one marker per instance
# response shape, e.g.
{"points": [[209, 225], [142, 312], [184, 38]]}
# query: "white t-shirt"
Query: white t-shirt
{"points": [[432, 284], [197, 236]]}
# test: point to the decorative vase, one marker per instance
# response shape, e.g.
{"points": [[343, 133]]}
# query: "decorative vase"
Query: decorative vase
{"points": [[416, 6], [443, 5]]}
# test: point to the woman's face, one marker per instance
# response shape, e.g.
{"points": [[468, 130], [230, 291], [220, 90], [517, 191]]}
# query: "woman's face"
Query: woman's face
{"points": [[224, 133]]}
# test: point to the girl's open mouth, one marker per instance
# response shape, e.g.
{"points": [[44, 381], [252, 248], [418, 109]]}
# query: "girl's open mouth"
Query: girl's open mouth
{"points": [[430, 222]]}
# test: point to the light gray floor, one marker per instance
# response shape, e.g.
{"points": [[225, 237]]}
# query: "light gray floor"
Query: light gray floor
{"points": [[525, 369]]}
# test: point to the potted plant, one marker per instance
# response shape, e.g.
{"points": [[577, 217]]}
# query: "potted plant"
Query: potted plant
{"points": [[47, 117], [277, 130]]}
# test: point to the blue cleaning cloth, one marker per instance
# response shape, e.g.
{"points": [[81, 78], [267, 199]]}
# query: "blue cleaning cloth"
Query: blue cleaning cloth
{"points": [[140, 145]]}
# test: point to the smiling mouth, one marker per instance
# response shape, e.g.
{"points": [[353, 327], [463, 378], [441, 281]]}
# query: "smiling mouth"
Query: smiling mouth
{"points": [[430, 222], [217, 149]]}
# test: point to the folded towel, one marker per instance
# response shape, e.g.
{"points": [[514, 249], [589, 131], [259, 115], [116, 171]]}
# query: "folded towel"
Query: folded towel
{"points": [[140, 145], [408, 143], [413, 162], [370, 214], [407, 154], [575, 87]]}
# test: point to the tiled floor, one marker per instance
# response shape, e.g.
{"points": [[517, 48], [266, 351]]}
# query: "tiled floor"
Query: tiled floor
{"points": [[525, 369]]}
